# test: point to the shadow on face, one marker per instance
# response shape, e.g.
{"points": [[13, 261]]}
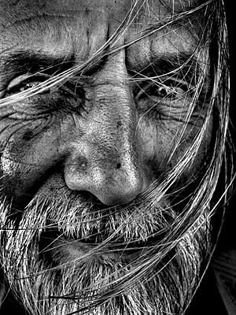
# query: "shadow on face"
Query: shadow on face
{"points": [[106, 134]]}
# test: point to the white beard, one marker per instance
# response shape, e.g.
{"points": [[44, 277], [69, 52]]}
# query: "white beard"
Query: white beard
{"points": [[64, 278]]}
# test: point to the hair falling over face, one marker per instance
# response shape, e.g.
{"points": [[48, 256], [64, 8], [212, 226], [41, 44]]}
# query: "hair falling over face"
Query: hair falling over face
{"points": [[170, 221]]}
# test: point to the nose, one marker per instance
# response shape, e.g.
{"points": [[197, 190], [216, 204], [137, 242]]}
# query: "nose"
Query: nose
{"points": [[105, 161], [110, 177]]}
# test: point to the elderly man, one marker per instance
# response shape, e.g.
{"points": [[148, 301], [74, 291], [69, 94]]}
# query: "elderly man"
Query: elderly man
{"points": [[113, 130]]}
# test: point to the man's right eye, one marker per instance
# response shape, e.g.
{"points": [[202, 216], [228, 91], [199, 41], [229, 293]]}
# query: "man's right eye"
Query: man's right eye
{"points": [[42, 97], [25, 82]]}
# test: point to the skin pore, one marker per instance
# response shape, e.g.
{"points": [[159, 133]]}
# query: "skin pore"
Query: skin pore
{"points": [[90, 164]]}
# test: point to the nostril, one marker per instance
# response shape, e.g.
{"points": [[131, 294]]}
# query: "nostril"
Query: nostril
{"points": [[118, 166], [82, 163]]}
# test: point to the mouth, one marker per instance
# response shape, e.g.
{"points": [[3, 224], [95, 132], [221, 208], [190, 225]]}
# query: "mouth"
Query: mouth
{"points": [[120, 245], [62, 248], [77, 226]]}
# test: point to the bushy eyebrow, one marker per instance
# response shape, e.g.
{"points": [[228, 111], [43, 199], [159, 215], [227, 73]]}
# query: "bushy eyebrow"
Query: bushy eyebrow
{"points": [[21, 62], [28, 61], [181, 64]]}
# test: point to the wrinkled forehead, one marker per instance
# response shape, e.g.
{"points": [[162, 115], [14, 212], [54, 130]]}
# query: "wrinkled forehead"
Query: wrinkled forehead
{"points": [[25, 7], [113, 11], [80, 27]]}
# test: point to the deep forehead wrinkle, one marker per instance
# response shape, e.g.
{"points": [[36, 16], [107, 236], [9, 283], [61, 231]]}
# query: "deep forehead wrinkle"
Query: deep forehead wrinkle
{"points": [[75, 31], [18, 13], [57, 34], [68, 8], [20, 9]]}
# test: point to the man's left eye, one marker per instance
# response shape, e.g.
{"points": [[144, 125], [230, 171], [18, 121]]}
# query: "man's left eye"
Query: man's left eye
{"points": [[170, 90]]}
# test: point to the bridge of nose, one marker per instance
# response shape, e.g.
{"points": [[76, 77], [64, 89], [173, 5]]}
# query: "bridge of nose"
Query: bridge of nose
{"points": [[105, 159]]}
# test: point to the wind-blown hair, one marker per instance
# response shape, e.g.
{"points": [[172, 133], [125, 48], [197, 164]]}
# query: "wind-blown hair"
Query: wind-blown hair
{"points": [[173, 228]]}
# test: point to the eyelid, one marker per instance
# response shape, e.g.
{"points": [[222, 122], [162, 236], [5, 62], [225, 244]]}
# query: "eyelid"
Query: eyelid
{"points": [[26, 78], [183, 84], [168, 83]]}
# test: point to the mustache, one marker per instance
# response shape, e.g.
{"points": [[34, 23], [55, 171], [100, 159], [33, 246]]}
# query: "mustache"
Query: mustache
{"points": [[147, 223], [80, 216]]}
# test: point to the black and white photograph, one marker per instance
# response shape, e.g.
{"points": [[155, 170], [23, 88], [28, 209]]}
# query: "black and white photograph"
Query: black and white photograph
{"points": [[117, 154]]}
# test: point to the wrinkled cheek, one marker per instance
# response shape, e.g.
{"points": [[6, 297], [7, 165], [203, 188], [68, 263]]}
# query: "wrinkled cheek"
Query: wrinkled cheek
{"points": [[11, 156], [164, 145], [26, 152], [194, 151]]}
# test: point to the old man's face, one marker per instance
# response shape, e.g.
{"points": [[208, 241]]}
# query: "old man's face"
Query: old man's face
{"points": [[105, 135]]}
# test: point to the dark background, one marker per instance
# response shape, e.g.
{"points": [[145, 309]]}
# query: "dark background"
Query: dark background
{"points": [[228, 238]]}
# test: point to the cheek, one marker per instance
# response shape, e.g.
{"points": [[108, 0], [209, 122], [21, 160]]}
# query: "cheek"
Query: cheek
{"points": [[164, 144], [28, 151]]}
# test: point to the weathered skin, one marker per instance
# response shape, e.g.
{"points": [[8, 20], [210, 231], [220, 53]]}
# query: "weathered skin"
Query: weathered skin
{"points": [[104, 152], [113, 144]]}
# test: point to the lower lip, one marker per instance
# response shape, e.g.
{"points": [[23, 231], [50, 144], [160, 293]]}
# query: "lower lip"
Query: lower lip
{"points": [[73, 250]]}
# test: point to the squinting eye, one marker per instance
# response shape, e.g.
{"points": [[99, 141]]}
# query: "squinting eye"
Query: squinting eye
{"points": [[25, 82], [28, 86], [165, 91], [169, 90]]}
